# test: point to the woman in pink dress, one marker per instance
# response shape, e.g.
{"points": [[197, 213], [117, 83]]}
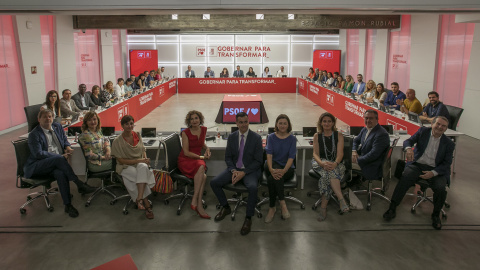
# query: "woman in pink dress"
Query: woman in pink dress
{"points": [[191, 162]]}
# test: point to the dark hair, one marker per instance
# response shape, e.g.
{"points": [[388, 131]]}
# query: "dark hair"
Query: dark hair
{"points": [[359, 74], [189, 115], [56, 105], [120, 80], [329, 73], [152, 70], [145, 71], [240, 114], [432, 93], [313, 71], [320, 119], [372, 111], [65, 90], [132, 75], [88, 116], [283, 116], [336, 73], [141, 74], [395, 83], [265, 69], [125, 119], [129, 80], [377, 95]]}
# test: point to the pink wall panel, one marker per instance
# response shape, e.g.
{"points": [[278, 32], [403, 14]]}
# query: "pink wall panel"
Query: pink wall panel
{"points": [[399, 55], [87, 58], [12, 92], [352, 52], [370, 53], [47, 24], [117, 53], [453, 59]]}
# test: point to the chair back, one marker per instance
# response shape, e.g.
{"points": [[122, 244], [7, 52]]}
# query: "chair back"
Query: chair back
{"points": [[387, 163], [31, 112], [347, 151], [173, 147], [455, 113], [22, 152]]}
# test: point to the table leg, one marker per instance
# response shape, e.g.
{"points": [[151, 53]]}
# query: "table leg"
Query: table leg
{"points": [[303, 168]]}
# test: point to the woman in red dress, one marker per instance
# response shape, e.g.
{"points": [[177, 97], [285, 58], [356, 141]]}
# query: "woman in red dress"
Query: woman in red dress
{"points": [[190, 161]]}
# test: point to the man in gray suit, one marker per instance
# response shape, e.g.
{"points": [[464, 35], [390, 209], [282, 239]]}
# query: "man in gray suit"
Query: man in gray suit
{"points": [[83, 100], [67, 105], [189, 73], [238, 73]]}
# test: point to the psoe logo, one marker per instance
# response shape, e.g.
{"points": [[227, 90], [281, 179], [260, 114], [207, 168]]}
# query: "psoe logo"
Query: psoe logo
{"points": [[301, 84], [122, 111], [161, 91], [330, 99], [326, 55], [144, 55], [396, 125], [201, 51]]}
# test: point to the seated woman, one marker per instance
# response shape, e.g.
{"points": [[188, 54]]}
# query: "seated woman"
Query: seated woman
{"points": [[281, 150], [380, 94], [250, 73], [349, 82], [328, 162], [311, 73], [369, 93], [52, 102], [132, 165], [266, 72], [109, 93], [158, 77], [224, 73], [141, 81], [330, 79], [98, 99], [95, 146], [190, 161]]}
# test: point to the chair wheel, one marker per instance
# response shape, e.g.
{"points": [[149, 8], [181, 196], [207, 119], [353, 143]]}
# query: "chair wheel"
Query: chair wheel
{"points": [[259, 215], [218, 206], [369, 207], [205, 206], [413, 210], [112, 202], [289, 193], [314, 208], [167, 202], [125, 212], [340, 212], [23, 211], [29, 198], [87, 204], [179, 212], [309, 194], [447, 205], [302, 206], [264, 194], [444, 216], [235, 195], [204, 193], [50, 209], [233, 218]]}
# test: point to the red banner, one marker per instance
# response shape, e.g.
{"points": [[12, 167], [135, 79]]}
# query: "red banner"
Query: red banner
{"points": [[236, 85], [141, 60], [351, 111], [328, 60]]}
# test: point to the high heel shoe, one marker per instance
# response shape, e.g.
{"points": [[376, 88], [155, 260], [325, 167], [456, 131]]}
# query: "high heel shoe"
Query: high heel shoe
{"points": [[344, 206], [140, 204], [193, 207], [323, 214], [206, 216]]}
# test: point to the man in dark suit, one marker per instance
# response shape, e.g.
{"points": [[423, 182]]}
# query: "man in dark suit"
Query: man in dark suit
{"points": [[244, 157], [189, 73], [370, 147], [238, 73], [434, 108], [82, 100], [49, 151], [431, 161]]}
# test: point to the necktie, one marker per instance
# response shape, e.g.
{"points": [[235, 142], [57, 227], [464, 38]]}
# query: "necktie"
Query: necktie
{"points": [[240, 155], [56, 142]]}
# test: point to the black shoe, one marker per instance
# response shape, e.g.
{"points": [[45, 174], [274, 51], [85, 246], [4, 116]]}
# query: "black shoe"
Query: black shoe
{"points": [[223, 213], [72, 212], [84, 188], [247, 226], [390, 214], [436, 222]]}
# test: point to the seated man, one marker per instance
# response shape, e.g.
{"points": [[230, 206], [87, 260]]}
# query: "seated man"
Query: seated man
{"points": [[238, 73], [431, 158], [134, 84], [370, 147], [281, 72], [317, 75], [67, 105], [189, 73], [434, 108], [411, 103], [83, 101], [335, 80], [49, 151], [359, 86], [119, 88], [150, 78], [244, 158], [209, 73], [393, 96]]}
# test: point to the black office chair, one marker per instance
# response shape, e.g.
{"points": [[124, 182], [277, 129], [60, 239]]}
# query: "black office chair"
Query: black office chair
{"points": [[347, 161], [173, 147], [103, 175], [22, 152], [387, 174], [238, 199], [31, 112], [424, 198], [455, 113]]}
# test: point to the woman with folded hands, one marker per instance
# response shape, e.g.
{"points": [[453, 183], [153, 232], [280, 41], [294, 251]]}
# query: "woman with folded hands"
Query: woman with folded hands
{"points": [[95, 146], [370, 89], [97, 98]]}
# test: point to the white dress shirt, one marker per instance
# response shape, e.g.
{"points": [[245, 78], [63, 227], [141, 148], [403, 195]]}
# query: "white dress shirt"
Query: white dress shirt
{"points": [[119, 90], [280, 73], [428, 157]]}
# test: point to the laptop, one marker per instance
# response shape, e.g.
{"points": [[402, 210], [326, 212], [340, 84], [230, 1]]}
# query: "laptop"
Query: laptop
{"points": [[233, 129], [284, 76], [309, 131], [414, 118], [352, 95], [149, 132], [75, 118], [58, 119], [108, 131], [269, 76], [388, 128], [271, 130], [355, 130], [72, 131]]}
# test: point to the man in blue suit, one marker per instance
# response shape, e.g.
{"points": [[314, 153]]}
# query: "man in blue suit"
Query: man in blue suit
{"points": [[244, 157], [359, 87], [431, 161], [189, 73], [395, 97], [370, 147], [238, 73], [49, 151]]}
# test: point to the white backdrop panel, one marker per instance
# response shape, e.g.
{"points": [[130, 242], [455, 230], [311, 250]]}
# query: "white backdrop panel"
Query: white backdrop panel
{"points": [[168, 52], [278, 53]]}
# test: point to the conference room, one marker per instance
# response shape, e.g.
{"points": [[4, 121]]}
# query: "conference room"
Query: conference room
{"points": [[184, 82]]}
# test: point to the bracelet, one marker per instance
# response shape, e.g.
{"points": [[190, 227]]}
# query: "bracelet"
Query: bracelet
{"points": [[202, 157]]}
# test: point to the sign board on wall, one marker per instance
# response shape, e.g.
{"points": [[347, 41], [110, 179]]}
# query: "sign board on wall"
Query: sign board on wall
{"points": [[141, 60], [327, 60]]}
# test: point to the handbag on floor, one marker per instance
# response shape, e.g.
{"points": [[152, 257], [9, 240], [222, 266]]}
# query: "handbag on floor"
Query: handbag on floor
{"points": [[355, 203], [163, 182]]}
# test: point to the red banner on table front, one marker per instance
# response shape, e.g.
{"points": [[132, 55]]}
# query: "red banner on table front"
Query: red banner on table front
{"points": [[328, 60], [141, 60], [236, 85]]}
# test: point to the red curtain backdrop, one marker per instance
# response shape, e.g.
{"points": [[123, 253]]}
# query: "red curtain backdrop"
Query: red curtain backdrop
{"points": [[352, 52], [87, 59], [399, 55], [117, 53], [453, 59], [47, 29], [371, 39], [12, 92]]}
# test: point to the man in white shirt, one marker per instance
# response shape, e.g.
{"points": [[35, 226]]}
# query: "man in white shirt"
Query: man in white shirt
{"points": [[119, 88], [281, 72]]}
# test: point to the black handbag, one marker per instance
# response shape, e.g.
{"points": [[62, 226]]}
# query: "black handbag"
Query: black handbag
{"points": [[399, 169]]}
